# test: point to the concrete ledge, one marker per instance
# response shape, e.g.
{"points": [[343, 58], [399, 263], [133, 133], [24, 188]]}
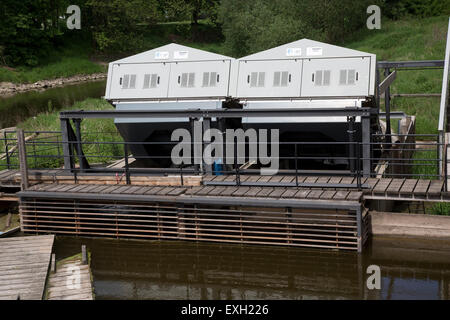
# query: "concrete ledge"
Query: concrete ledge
{"points": [[410, 225]]}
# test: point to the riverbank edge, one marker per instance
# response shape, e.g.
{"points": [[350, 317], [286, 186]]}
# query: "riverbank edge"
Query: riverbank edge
{"points": [[9, 88], [410, 225]]}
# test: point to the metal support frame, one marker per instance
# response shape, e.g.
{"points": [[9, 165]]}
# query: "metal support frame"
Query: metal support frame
{"points": [[220, 113], [72, 141], [24, 184], [445, 97], [207, 168]]}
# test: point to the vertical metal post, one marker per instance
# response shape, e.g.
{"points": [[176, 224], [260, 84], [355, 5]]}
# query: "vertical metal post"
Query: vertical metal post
{"points": [[8, 162], [22, 159], [68, 161], [359, 228], [207, 168], [366, 146], [196, 148], [127, 169], [445, 167], [387, 101], [351, 146], [77, 123], [296, 166], [53, 265], [84, 254], [236, 164]]}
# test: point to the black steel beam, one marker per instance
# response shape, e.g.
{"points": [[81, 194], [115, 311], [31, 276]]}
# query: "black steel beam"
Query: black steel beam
{"points": [[219, 113], [410, 64]]}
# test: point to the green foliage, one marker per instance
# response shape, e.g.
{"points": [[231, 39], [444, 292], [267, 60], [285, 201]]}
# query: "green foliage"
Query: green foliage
{"points": [[119, 25], [29, 29], [396, 9], [410, 39], [250, 26], [441, 209]]}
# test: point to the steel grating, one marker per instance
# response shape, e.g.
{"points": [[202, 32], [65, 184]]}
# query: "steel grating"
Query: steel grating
{"points": [[228, 223]]}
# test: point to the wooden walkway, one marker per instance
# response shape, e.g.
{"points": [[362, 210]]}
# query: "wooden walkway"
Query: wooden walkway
{"points": [[311, 187], [71, 281], [24, 263]]}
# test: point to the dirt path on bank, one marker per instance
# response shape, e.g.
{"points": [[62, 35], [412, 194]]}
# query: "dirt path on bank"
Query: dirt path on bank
{"points": [[9, 88]]}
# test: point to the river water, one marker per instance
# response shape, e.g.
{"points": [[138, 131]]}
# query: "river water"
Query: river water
{"points": [[21, 106], [129, 269]]}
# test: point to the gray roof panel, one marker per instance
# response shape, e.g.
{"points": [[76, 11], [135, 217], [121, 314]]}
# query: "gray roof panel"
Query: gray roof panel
{"points": [[305, 48], [173, 53]]}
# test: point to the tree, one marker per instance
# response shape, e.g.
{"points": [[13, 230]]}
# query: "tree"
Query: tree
{"points": [[119, 25], [29, 29], [251, 26]]}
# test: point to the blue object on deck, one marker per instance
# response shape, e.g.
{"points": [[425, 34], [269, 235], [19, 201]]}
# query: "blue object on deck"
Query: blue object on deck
{"points": [[218, 167]]}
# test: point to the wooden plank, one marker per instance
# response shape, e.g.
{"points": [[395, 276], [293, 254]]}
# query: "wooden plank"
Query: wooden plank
{"points": [[241, 191], [217, 191], [205, 190], [315, 194], [264, 179], [229, 191], [302, 193], [382, 186], [276, 179], [253, 178], [253, 191], [394, 187], [110, 189], [372, 182], [264, 192], [277, 192], [408, 187], [289, 193], [421, 188], [287, 179], [323, 180], [348, 180], [311, 179], [328, 194], [121, 189], [24, 262], [435, 189], [177, 192], [220, 178], [354, 195], [165, 191], [132, 190], [341, 195]]}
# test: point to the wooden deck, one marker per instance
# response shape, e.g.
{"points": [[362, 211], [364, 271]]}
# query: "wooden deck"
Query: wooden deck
{"points": [[80, 285], [24, 263], [311, 187]]}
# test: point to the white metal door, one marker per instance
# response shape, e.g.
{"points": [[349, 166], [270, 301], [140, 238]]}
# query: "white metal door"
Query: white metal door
{"points": [[275, 78], [199, 79], [338, 77], [140, 80]]}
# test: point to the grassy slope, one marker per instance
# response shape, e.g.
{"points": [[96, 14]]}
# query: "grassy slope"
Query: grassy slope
{"points": [[68, 61], [94, 130], [411, 39]]}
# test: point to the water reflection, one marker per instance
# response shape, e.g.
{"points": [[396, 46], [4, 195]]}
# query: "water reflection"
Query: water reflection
{"points": [[186, 270], [21, 106]]}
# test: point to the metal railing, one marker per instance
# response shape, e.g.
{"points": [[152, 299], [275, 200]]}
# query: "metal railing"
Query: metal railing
{"points": [[412, 156]]}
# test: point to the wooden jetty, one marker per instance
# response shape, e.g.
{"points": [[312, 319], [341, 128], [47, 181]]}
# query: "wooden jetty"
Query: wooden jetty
{"points": [[24, 263], [308, 211], [71, 281]]}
